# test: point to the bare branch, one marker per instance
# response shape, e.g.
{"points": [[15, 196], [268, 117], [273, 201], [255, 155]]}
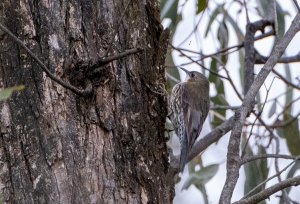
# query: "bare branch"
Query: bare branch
{"points": [[211, 138], [269, 191], [257, 118], [233, 158], [76, 90], [198, 63], [285, 123], [297, 5], [230, 79], [270, 178], [83, 92], [225, 50], [259, 59], [285, 80], [204, 142], [253, 158], [106, 60], [222, 107], [251, 29]]}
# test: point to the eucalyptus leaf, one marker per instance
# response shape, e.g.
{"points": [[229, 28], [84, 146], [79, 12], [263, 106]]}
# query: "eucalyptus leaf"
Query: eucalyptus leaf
{"points": [[273, 108], [264, 9], [238, 31], [201, 6], [292, 172], [218, 100], [213, 67], [291, 133], [169, 9], [193, 163], [289, 93], [212, 18], [223, 35], [280, 20], [255, 171], [201, 177]]}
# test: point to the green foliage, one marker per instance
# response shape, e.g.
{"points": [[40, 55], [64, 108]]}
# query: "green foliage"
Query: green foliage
{"points": [[201, 6], [223, 25], [218, 118], [213, 17], [173, 72], [169, 10], [223, 35], [6, 93], [255, 171], [292, 171], [273, 109], [201, 177], [238, 32], [289, 92], [281, 20], [223, 38], [219, 99], [290, 129], [290, 132]]}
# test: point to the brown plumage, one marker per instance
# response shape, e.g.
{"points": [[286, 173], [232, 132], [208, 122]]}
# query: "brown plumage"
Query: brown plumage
{"points": [[189, 104]]}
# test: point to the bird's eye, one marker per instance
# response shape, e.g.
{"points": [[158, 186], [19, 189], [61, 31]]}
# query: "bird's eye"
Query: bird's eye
{"points": [[192, 74]]}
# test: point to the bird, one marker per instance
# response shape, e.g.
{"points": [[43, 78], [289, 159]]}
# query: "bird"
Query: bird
{"points": [[189, 106]]}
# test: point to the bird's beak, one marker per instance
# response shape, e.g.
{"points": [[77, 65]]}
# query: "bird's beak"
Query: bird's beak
{"points": [[186, 71], [188, 74]]}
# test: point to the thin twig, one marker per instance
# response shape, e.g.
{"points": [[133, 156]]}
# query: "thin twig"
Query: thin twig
{"points": [[222, 51], [270, 191], [285, 80], [246, 9], [266, 156], [198, 63], [297, 5], [267, 34], [211, 138], [257, 116], [169, 76], [270, 178], [105, 60], [222, 107], [233, 157], [76, 90], [287, 106], [285, 123], [83, 92], [229, 79], [206, 141], [260, 59]]}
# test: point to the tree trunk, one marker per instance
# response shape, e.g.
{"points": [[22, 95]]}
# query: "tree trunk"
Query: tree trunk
{"points": [[58, 147]]}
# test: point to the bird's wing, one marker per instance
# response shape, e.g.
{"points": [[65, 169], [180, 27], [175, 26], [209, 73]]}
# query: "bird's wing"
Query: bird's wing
{"points": [[195, 112]]}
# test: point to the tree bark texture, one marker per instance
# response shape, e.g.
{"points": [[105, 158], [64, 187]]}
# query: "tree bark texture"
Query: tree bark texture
{"points": [[58, 147]]}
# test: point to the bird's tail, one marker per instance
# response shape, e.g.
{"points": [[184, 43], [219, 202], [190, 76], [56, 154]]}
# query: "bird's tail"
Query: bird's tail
{"points": [[183, 155]]}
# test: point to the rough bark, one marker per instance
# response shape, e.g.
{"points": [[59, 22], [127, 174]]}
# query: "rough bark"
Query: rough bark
{"points": [[58, 147]]}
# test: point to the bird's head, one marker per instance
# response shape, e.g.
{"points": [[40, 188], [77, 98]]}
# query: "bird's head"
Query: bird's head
{"points": [[194, 76]]}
